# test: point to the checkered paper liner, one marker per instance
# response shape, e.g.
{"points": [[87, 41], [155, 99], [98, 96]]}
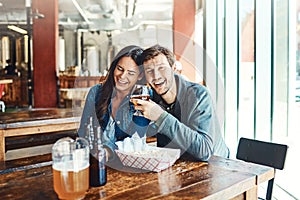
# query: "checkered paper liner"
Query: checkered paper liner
{"points": [[153, 159]]}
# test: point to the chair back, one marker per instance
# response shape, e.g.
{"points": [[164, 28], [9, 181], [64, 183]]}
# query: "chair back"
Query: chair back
{"points": [[263, 153]]}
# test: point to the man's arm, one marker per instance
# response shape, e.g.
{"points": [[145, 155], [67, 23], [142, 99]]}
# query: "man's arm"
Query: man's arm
{"points": [[194, 133]]}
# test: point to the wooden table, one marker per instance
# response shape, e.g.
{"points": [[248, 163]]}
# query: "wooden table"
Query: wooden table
{"points": [[35, 121], [218, 179]]}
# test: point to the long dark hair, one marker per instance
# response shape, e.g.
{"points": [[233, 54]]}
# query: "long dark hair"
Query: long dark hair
{"points": [[108, 86]]}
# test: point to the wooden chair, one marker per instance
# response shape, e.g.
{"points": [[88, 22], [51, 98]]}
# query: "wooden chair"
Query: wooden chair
{"points": [[263, 153]]}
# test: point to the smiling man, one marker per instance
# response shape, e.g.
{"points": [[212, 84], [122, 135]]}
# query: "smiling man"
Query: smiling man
{"points": [[181, 111]]}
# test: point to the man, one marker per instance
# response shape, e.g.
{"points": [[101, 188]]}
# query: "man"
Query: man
{"points": [[181, 111]]}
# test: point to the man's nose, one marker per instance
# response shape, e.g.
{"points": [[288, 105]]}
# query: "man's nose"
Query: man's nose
{"points": [[156, 74]]}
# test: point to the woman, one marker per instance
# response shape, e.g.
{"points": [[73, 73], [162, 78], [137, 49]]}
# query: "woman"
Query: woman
{"points": [[108, 103]]}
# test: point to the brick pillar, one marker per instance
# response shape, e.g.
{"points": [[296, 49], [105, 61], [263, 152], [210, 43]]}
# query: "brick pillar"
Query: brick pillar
{"points": [[44, 41]]}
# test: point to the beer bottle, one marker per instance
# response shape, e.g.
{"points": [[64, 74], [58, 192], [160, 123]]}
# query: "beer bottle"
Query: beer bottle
{"points": [[97, 160], [101, 158], [90, 135]]}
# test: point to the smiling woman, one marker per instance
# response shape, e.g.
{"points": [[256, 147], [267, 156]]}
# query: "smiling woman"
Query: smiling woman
{"points": [[108, 103], [126, 74]]}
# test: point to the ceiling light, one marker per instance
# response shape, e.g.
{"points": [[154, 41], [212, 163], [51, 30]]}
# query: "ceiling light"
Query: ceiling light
{"points": [[17, 29]]}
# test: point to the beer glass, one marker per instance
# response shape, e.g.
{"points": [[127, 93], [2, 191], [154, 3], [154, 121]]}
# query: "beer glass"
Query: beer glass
{"points": [[70, 168], [140, 92]]}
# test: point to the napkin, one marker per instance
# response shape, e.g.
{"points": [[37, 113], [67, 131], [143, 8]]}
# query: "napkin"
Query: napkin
{"points": [[134, 152], [132, 144]]}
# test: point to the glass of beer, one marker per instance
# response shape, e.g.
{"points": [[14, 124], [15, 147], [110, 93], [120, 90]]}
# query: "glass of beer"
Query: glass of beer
{"points": [[70, 168], [140, 92]]}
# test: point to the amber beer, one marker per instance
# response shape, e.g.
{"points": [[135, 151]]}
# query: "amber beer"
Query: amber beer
{"points": [[70, 182], [142, 97]]}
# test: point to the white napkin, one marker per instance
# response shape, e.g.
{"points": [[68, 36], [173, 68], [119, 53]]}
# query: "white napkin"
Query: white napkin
{"points": [[133, 144]]}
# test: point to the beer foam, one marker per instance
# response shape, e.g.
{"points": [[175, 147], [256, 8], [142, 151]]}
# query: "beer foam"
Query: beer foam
{"points": [[71, 166], [79, 158]]}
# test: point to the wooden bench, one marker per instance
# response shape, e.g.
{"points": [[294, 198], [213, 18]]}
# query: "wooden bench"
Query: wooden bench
{"points": [[24, 141], [25, 163], [35, 121]]}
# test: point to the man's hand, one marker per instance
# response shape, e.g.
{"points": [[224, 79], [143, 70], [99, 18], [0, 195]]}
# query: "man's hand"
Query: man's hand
{"points": [[149, 108]]}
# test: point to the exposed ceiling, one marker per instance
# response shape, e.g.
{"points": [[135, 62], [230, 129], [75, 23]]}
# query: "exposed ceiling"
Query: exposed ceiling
{"points": [[93, 14]]}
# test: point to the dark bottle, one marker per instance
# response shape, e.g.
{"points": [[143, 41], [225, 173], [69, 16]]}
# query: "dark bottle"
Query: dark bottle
{"points": [[97, 162]]}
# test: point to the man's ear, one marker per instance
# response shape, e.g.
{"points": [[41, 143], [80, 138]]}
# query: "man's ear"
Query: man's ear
{"points": [[174, 67]]}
